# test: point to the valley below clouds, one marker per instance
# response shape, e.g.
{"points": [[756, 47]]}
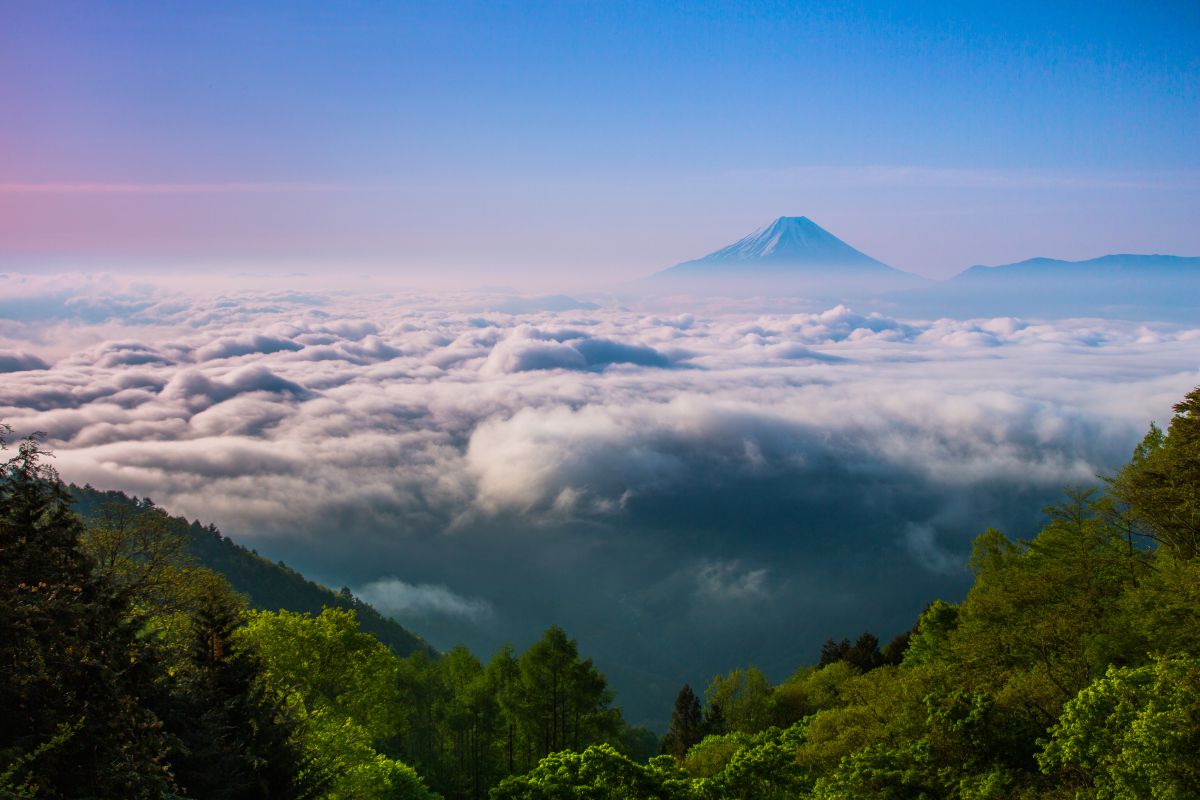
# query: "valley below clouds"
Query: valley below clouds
{"points": [[681, 488]]}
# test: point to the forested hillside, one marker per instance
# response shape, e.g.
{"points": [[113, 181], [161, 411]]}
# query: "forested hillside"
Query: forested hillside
{"points": [[1071, 669], [135, 670], [269, 586]]}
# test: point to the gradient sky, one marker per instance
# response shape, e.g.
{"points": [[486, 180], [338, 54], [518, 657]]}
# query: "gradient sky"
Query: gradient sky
{"points": [[572, 143]]}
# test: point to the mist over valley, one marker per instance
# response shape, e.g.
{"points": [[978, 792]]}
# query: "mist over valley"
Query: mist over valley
{"points": [[687, 483]]}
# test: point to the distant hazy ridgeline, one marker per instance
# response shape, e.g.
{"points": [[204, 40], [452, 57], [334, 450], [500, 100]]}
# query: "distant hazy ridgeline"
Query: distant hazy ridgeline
{"points": [[795, 256]]}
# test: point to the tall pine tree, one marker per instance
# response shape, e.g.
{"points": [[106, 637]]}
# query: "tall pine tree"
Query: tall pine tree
{"points": [[231, 738], [687, 724], [72, 722]]}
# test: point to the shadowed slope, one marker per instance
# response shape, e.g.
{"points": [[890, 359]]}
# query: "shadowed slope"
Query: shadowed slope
{"points": [[269, 586]]}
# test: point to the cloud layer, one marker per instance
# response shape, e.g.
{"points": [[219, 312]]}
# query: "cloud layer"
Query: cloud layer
{"points": [[394, 596], [682, 491]]}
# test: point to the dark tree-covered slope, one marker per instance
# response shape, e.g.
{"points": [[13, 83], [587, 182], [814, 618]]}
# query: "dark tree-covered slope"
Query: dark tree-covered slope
{"points": [[270, 586]]}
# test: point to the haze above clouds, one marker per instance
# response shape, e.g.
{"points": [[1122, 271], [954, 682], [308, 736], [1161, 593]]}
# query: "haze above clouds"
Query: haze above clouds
{"points": [[574, 143], [683, 488]]}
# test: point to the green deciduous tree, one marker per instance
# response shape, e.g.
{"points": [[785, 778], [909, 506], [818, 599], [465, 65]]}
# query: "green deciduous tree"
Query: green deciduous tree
{"points": [[134, 546], [745, 698], [465, 726], [341, 683], [930, 642], [1134, 733], [1042, 619], [564, 699], [597, 773], [1161, 483], [764, 769]]}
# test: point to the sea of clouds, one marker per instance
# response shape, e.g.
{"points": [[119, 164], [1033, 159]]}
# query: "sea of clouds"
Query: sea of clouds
{"points": [[685, 488]]}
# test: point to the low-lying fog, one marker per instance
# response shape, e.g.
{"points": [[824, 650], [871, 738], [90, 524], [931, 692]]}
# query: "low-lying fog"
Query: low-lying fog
{"points": [[684, 489]]}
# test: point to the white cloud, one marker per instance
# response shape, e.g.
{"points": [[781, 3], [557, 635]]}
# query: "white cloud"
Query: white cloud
{"points": [[576, 414], [729, 581], [409, 601], [828, 468]]}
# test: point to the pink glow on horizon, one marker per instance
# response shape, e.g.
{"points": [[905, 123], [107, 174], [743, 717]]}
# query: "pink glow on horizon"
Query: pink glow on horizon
{"points": [[166, 188]]}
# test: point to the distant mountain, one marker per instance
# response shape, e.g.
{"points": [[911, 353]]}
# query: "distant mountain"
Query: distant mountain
{"points": [[787, 243], [792, 253], [268, 585], [1113, 267], [1123, 286]]}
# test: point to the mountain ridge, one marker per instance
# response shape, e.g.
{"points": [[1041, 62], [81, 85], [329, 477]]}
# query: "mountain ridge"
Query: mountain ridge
{"points": [[268, 585], [1129, 286], [1113, 264]]}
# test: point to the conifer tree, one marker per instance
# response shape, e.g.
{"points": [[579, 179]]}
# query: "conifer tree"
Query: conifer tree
{"points": [[1161, 483], [75, 673], [687, 724], [233, 740], [833, 652], [715, 723]]}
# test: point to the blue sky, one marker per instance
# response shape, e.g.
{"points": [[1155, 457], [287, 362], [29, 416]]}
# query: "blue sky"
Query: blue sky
{"points": [[548, 141]]}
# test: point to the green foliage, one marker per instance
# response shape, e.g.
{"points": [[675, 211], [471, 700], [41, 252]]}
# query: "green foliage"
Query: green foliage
{"points": [[864, 655], [328, 664], [465, 726], [640, 744], [1161, 483], [341, 684], [884, 705], [709, 756], [883, 773], [1070, 670], [134, 546], [1161, 612], [745, 698], [231, 736], [812, 690], [687, 724], [1134, 733], [765, 767], [598, 773], [564, 700], [1043, 618], [930, 641], [268, 585], [121, 676], [344, 750], [1040, 684], [762, 767], [75, 675], [759, 773]]}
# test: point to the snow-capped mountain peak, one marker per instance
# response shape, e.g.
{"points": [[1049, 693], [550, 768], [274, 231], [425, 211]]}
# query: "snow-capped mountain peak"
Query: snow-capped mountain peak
{"points": [[790, 244]]}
